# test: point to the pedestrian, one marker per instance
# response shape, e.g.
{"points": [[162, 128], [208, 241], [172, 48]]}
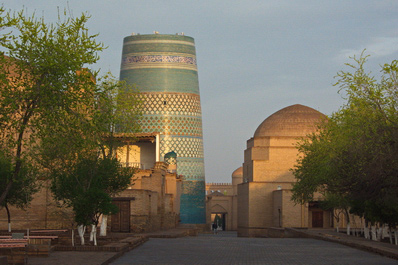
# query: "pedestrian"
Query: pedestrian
{"points": [[214, 227]]}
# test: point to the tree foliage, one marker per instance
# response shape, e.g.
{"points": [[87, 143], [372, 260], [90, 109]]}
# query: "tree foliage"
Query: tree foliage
{"points": [[54, 110], [87, 187], [23, 188], [41, 88], [354, 154]]}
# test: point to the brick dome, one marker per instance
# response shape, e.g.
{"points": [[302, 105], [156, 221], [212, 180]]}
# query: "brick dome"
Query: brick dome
{"points": [[238, 172], [296, 120]]}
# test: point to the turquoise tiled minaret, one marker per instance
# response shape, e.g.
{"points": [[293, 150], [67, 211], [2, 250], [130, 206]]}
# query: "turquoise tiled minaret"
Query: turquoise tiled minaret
{"points": [[163, 67]]}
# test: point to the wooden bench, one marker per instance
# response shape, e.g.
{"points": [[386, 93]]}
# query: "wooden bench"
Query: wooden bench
{"points": [[13, 245], [48, 231], [32, 237], [32, 245], [14, 249], [41, 237], [12, 240]]}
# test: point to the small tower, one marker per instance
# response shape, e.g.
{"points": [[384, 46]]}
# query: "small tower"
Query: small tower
{"points": [[171, 159], [163, 67]]}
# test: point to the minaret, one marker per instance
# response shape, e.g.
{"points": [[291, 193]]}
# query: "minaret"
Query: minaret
{"points": [[163, 67]]}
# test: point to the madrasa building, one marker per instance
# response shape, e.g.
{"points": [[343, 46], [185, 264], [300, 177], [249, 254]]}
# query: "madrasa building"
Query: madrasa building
{"points": [[169, 186], [168, 154], [263, 192]]}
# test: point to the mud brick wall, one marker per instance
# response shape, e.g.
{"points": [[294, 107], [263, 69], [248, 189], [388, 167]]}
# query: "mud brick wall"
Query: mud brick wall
{"points": [[43, 213]]}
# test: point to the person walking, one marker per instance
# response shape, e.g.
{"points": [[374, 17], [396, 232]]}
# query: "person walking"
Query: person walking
{"points": [[214, 227]]}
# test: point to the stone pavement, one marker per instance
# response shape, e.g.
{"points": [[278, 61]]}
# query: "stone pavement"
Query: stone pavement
{"points": [[101, 257], [73, 257], [385, 249], [226, 248], [172, 247]]}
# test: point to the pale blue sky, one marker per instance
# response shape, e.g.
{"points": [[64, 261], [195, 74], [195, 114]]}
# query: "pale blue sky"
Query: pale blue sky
{"points": [[254, 56]]}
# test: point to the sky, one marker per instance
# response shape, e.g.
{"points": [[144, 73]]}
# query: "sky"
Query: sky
{"points": [[254, 57]]}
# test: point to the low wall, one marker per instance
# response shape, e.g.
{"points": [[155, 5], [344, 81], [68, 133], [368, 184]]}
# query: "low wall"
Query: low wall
{"points": [[279, 232]]}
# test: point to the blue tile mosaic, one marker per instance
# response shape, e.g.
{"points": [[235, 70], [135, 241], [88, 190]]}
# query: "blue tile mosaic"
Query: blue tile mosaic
{"points": [[169, 88]]}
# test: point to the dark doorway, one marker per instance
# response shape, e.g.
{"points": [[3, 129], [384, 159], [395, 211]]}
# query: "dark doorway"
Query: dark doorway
{"points": [[219, 219], [317, 219], [120, 221]]}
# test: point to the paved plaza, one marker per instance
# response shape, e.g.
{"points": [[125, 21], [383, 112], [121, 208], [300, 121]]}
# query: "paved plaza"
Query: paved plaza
{"points": [[227, 248]]}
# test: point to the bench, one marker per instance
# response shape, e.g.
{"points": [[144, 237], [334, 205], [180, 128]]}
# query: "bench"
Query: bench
{"points": [[13, 245], [32, 245], [31, 237], [41, 237], [14, 249], [11, 242], [48, 231]]}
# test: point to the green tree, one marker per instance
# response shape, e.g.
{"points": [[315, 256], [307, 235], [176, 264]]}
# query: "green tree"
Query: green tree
{"points": [[23, 189], [354, 155], [55, 113], [337, 205], [87, 187], [118, 112], [114, 108], [41, 88]]}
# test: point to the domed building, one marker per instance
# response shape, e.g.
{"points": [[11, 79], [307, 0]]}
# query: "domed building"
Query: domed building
{"points": [[264, 196]]}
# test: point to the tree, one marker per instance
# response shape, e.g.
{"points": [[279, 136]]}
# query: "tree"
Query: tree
{"points": [[57, 115], [87, 187], [115, 107], [23, 189], [354, 154], [337, 205], [117, 112], [41, 88]]}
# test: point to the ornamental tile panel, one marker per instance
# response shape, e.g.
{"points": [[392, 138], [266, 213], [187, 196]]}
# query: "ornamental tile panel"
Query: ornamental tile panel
{"points": [[158, 59], [183, 146], [170, 104]]}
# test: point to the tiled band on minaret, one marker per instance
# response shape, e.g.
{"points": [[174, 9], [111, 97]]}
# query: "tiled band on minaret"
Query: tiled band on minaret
{"points": [[163, 67]]}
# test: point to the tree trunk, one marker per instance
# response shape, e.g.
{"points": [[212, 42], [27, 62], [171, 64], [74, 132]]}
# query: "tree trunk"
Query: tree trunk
{"points": [[366, 232], [373, 227], [379, 233], [396, 236], [94, 233], [73, 237], [18, 162], [390, 234], [81, 229], [104, 223], [8, 217], [91, 234], [347, 215], [6, 190], [384, 232]]}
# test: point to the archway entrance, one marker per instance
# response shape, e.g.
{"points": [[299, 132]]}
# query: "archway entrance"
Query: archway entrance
{"points": [[219, 219]]}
